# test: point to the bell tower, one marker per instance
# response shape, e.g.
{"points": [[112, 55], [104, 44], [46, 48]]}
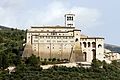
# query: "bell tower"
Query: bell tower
{"points": [[69, 20]]}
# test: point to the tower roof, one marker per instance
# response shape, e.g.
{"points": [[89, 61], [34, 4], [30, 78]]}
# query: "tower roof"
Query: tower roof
{"points": [[70, 14]]}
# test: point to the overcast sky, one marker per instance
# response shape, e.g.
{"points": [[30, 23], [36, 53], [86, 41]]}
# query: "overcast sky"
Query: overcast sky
{"points": [[93, 17]]}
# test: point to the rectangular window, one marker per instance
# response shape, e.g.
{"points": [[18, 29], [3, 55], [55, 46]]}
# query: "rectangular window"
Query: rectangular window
{"points": [[64, 41], [54, 37], [35, 40], [58, 41], [36, 37], [34, 49], [71, 41], [48, 40], [70, 24]]}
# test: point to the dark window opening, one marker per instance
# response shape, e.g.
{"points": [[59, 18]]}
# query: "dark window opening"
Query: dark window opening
{"points": [[69, 18], [80, 44], [93, 44], [84, 56], [54, 33], [94, 53], [76, 39], [36, 36], [70, 24], [99, 46], [88, 44], [84, 43]]}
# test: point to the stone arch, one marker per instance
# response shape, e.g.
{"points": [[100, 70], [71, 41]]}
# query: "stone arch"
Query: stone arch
{"points": [[80, 44], [88, 44], [84, 56], [76, 40], [94, 53], [99, 46], [93, 44], [84, 44]]}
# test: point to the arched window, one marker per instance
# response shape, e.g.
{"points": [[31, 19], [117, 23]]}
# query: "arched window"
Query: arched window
{"points": [[80, 44], [99, 46], [93, 44], [88, 44], [84, 43], [84, 56], [76, 39], [94, 53]]}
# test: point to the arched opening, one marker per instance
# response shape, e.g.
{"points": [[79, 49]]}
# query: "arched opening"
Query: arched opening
{"points": [[88, 44], [84, 56], [80, 44], [84, 44], [93, 44], [99, 46], [94, 53], [76, 39]]}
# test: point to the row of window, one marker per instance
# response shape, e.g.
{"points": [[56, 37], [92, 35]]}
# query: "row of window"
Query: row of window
{"points": [[88, 39], [36, 37], [93, 44], [69, 18], [85, 55], [52, 47], [50, 30], [69, 24], [56, 34], [60, 44], [52, 41]]}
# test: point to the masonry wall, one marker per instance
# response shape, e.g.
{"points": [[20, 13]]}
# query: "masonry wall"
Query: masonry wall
{"points": [[55, 43], [92, 48], [64, 43]]}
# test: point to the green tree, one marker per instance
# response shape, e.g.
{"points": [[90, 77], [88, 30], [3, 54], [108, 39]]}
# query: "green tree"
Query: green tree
{"points": [[33, 60], [1, 39], [96, 63], [3, 61]]}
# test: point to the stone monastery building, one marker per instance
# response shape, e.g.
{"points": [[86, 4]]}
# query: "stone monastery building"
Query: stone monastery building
{"points": [[63, 43]]}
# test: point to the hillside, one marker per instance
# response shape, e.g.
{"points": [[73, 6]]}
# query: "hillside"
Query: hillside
{"points": [[3, 27], [11, 41], [113, 48]]}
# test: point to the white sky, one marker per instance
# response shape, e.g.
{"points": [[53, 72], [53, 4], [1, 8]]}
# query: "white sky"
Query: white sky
{"points": [[93, 17]]}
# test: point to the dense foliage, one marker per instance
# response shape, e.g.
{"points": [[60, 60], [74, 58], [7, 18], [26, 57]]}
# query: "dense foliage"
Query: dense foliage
{"points": [[11, 41], [27, 72]]}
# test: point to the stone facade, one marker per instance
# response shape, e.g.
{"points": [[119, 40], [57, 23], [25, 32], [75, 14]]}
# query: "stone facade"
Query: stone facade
{"points": [[63, 42], [110, 56]]}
